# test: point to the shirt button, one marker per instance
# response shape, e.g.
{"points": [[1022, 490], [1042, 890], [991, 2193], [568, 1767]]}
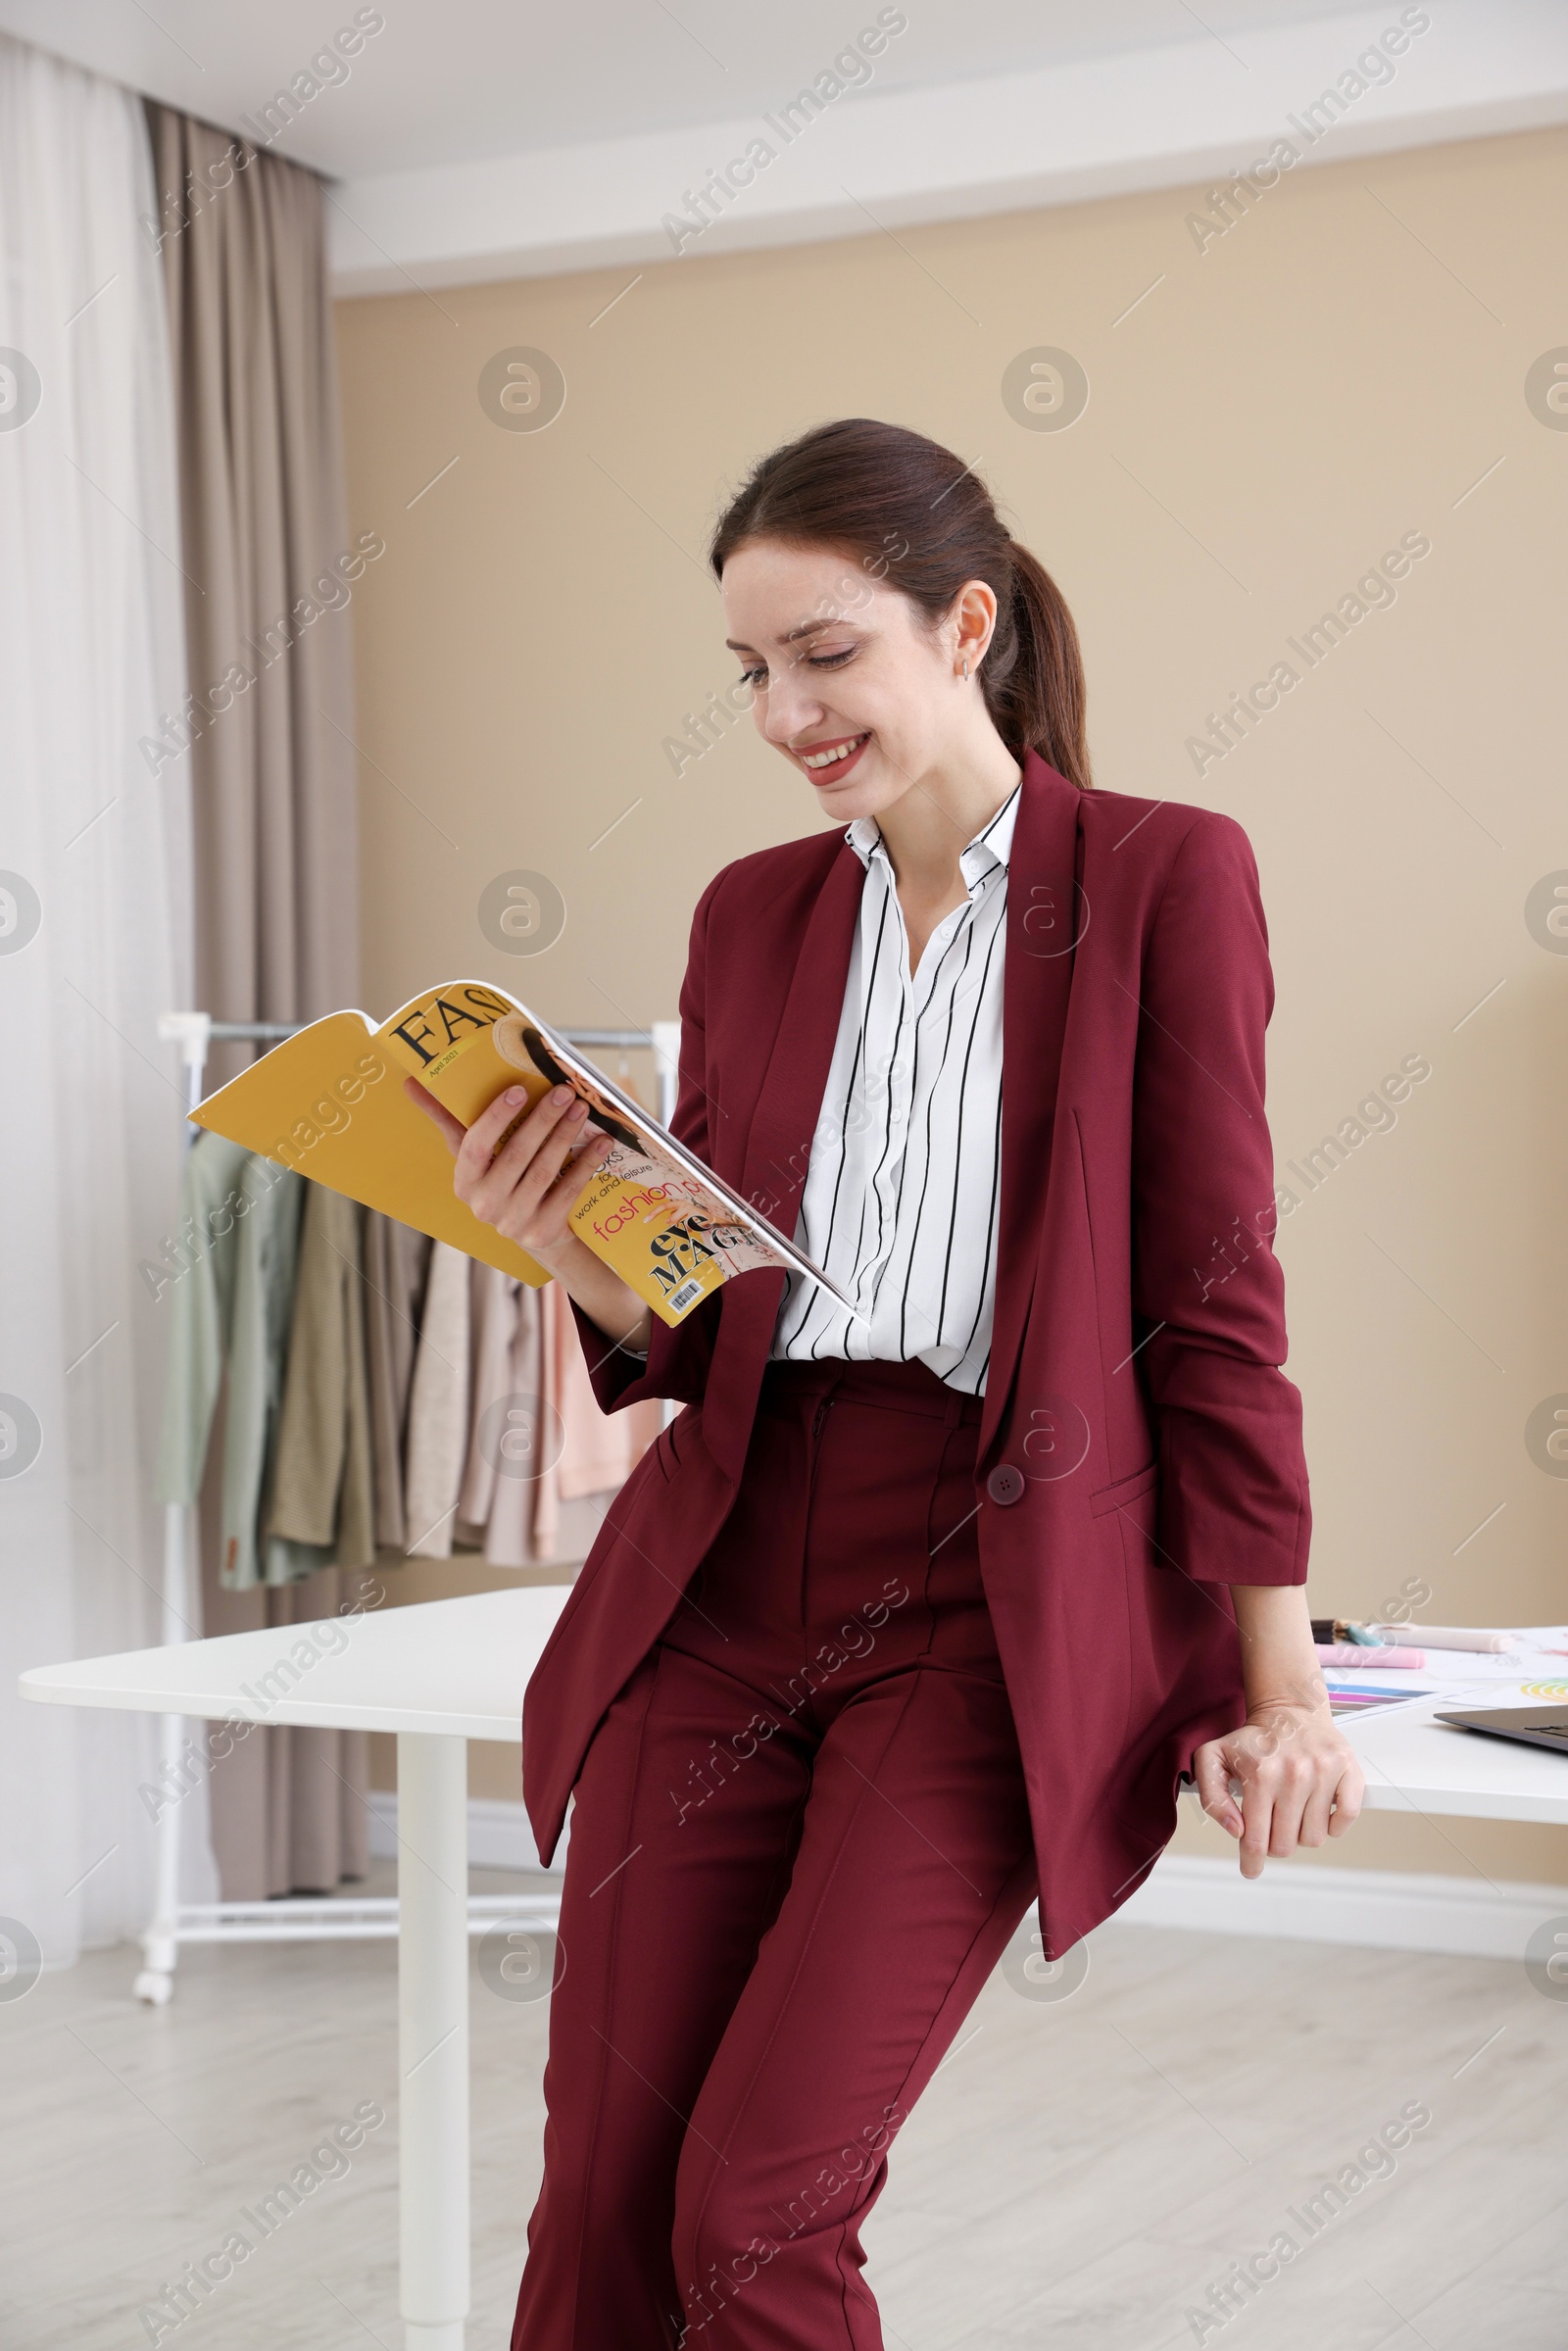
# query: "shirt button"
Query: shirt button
{"points": [[1005, 1484]]}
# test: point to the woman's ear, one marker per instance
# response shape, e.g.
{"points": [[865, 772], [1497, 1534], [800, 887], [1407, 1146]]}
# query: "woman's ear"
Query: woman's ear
{"points": [[974, 616]]}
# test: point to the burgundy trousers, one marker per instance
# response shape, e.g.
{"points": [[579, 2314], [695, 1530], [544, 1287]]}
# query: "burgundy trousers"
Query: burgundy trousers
{"points": [[800, 1844]]}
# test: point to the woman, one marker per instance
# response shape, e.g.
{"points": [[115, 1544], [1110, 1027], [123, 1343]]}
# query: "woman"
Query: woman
{"points": [[915, 1611]]}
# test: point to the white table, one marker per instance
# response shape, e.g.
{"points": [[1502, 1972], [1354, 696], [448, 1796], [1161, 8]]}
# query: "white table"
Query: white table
{"points": [[438, 1675], [447, 1671]]}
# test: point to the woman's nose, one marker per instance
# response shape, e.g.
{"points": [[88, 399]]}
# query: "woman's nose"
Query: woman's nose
{"points": [[792, 709]]}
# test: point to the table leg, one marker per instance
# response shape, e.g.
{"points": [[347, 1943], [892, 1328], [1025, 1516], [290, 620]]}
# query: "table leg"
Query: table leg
{"points": [[433, 2038], [160, 1942]]}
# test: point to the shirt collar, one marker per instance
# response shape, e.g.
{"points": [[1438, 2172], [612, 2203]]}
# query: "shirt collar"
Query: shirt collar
{"points": [[991, 848]]}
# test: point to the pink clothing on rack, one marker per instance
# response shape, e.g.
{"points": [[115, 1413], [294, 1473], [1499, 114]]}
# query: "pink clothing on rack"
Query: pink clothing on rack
{"points": [[590, 1453], [547, 1490]]}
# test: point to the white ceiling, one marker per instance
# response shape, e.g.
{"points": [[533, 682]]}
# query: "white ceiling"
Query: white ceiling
{"points": [[475, 139], [461, 81]]}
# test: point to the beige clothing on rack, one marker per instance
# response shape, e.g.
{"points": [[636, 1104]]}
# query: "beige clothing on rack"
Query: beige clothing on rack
{"points": [[396, 1263], [493, 1319], [508, 1523], [322, 1489], [438, 1408]]}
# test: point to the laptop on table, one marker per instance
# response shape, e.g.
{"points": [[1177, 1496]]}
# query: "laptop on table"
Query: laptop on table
{"points": [[1537, 1725]]}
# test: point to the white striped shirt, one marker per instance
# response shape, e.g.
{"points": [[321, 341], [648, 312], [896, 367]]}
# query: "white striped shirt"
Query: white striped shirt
{"points": [[901, 1195]]}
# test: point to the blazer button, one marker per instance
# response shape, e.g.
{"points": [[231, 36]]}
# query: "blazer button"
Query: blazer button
{"points": [[1005, 1484]]}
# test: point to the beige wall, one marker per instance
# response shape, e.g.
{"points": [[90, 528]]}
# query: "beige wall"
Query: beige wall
{"points": [[1338, 369]]}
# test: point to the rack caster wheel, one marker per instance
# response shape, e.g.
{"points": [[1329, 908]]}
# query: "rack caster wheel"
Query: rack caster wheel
{"points": [[153, 1986]]}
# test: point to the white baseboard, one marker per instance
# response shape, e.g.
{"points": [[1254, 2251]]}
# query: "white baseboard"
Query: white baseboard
{"points": [[1381, 1910]]}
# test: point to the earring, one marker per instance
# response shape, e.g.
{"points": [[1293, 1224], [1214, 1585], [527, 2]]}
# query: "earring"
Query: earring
{"points": [[967, 667]]}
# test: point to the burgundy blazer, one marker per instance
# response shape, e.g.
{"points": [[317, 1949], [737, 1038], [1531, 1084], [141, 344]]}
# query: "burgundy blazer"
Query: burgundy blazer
{"points": [[1140, 1450]]}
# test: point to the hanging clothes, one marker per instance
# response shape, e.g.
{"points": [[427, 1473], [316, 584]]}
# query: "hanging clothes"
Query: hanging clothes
{"points": [[542, 1462], [438, 1409], [599, 1451], [231, 1304], [397, 1261], [588, 1454], [514, 1494], [323, 1493], [265, 1291], [493, 1319], [200, 1304]]}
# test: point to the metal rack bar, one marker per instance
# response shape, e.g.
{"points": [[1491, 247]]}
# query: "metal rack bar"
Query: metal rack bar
{"points": [[193, 1032]]}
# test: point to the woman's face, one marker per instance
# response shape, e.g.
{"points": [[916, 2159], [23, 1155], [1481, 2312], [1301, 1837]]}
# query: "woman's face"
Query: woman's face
{"points": [[849, 682]]}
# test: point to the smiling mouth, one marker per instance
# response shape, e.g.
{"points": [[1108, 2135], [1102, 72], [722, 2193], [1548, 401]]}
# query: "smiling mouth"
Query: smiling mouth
{"points": [[825, 763]]}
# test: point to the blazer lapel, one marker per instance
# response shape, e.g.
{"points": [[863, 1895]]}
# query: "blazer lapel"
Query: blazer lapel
{"points": [[778, 1150], [1046, 917]]}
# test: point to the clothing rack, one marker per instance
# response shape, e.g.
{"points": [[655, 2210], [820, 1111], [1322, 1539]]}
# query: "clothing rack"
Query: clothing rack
{"points": [[296, 1918]]}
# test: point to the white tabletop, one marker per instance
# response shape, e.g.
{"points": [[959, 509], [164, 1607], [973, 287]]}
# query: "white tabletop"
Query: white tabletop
{"points": [[1415, 1765], [460, 1667], [457, 1667]]}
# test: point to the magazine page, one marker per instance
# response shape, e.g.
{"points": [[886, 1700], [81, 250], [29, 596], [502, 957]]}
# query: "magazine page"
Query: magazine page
{"points": [[652, 1210], [328, 1103]]}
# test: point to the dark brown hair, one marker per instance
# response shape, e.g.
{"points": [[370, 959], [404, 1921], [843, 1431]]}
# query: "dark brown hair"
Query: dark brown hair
{"points": [[913, 513]]}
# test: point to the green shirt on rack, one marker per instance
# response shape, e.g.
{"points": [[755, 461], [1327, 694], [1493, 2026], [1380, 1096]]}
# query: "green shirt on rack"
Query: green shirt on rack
{"points": [[231, 1300]]}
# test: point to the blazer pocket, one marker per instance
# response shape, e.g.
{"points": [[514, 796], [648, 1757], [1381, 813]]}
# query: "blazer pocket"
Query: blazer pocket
{"points": [[1124, 1490]]}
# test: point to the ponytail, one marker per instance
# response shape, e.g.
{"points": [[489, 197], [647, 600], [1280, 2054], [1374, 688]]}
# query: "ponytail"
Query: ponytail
{"points": [[1042, 700], [913, 515]]}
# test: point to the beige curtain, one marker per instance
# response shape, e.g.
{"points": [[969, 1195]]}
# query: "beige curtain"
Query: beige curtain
{"points": [[267, 730]]}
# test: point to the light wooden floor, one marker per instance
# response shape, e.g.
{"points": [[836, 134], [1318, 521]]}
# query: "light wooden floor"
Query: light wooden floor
{"points": [[1077, 2175]]}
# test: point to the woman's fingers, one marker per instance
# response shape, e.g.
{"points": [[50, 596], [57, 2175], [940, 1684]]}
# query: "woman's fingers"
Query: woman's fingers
{"points": [[1257, 1817], [521, 1170], [452, 1129], [1348, 1795], [507, 1111], [1316, 1813], [1300, 1783], [526, 1190], [562, 1195], [1213, 1772], [502, 1143]]}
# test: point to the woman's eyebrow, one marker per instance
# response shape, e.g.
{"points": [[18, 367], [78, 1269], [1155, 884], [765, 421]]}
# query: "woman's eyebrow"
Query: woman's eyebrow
{"points": [[807, 628]]}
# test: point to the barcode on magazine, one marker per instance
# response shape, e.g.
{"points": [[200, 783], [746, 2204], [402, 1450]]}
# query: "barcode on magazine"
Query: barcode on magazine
{"points": [[686, 1295]]}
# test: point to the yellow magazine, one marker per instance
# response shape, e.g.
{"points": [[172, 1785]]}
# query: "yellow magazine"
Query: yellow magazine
{"points": [[329, 1103]]}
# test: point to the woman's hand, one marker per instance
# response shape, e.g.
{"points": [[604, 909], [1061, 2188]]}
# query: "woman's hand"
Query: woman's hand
{"points": [[1298, 1776], [527, 1189], [1299, 1781]]}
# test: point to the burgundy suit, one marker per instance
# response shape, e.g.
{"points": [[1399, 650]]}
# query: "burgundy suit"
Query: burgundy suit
{"points": [[1137, 1205], [1137, 1451]]}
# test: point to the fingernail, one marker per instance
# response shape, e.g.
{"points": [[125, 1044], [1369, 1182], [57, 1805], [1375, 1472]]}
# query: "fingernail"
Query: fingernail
{"points": [[559, 1095], [579, 1110], [514, 1095]]}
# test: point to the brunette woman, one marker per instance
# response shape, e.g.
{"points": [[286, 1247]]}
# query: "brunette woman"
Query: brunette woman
{"points": [[918, 1613]]}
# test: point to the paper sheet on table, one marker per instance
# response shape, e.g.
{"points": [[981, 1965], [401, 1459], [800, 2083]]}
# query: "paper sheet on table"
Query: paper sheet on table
{"points": [[1532, 1675]]}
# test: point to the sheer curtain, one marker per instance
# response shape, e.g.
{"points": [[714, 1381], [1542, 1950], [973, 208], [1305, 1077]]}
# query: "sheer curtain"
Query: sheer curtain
{"points": [[95, 931]]}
